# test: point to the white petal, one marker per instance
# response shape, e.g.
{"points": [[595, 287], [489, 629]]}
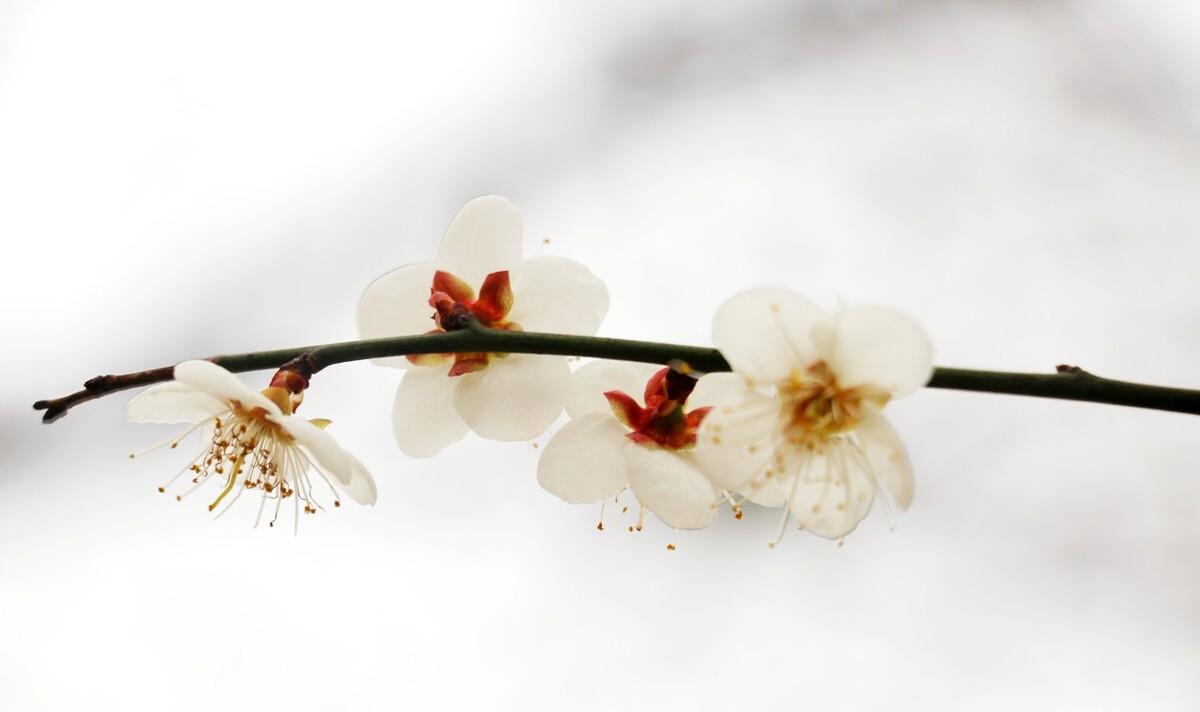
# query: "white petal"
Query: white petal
{"points": [[210, 378], [671, 485], [832, 495], [881, 347], [424, 419], [888, 459], [173, 402], [558, 295], [766, 333], [735, 442], [397, 304], [361, 487], [717, 389], [484, 237], [320, 446], [768, 492], [515, 398], [584, 462], [590, 381]]}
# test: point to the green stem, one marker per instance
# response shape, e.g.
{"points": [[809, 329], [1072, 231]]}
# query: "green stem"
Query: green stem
{"points": [[1069, 383]]}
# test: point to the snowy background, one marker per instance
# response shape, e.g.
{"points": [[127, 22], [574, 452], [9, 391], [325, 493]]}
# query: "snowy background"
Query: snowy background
{"points": [[184, 180]]}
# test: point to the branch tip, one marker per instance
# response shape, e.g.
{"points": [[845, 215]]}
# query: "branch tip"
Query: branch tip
{"points": [[53, 413]]}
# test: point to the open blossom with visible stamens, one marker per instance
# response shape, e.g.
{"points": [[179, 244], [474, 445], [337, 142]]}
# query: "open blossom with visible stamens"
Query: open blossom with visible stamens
{"points": [[498, 396], [610, 446], [798, 423], [252, 440]]}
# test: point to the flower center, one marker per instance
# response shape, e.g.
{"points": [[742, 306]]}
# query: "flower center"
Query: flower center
{"points": [[247, 450], [456, 307], [816, 408], [248, 444], [663, 421]]}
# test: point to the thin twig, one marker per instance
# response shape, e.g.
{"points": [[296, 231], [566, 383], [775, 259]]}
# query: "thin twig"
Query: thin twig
{"points": [[1069, 383]]}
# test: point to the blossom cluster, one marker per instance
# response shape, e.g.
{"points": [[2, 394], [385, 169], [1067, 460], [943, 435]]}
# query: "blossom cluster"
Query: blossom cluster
{"points": [[797, 424]]}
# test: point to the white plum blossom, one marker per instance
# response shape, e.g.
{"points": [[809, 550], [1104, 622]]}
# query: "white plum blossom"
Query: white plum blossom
{"points": [[612, 443], [798, 424], [252, 440], [498, 396]]}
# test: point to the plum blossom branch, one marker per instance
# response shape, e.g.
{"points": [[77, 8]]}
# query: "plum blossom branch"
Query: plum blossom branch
{"points": [[1067, 383]]}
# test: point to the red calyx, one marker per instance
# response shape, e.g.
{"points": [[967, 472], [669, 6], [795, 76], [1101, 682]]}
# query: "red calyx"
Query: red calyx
{"points": [[662, 420], [456, 307], [293, 377], [455, 302]]}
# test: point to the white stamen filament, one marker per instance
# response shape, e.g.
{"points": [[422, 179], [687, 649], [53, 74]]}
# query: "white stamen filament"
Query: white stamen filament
{"points": [[250, 452], [173, 441], [787, 507], [641, 518], [864, 462]]}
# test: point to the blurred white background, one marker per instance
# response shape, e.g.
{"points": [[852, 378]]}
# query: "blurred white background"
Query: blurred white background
{"points": [[180, 180]]}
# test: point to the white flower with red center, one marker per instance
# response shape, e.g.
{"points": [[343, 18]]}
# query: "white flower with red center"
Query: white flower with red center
{"points": [[612, 443], [252, 440], [498, 396], [798, 423]]}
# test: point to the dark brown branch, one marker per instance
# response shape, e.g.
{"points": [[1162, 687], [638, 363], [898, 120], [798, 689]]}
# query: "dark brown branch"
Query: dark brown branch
{"points": [[1069, 383]]}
